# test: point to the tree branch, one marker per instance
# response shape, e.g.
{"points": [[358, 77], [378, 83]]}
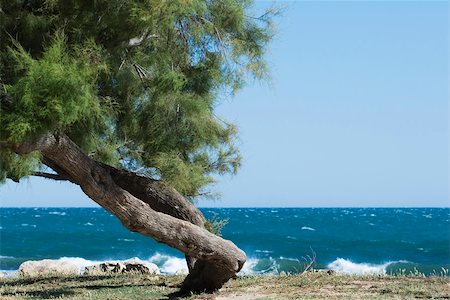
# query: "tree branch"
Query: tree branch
{"points": [[50, 176], [218, 259]]}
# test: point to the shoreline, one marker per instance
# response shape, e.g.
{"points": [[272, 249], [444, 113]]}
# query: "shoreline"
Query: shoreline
{"points": [[173, 265]]}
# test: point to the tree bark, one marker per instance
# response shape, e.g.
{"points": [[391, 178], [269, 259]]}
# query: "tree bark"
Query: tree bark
{"points": [[160, 197], [218, 259]]}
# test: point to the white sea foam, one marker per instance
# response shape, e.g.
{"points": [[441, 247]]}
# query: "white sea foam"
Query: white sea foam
{"points": [[263, 251], [249, 266], [28, 225], [308, 228], [61, 213], [345, 266], [80, 262], [268, 266], [126, 240], [88, 224], [169, 264]]}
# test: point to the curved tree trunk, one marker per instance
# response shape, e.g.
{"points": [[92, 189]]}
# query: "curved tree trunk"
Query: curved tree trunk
{"points": [[218, 259], [160, 197]]}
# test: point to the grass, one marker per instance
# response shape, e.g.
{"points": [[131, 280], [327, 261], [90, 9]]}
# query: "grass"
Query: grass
{"points": [[307, 286]]}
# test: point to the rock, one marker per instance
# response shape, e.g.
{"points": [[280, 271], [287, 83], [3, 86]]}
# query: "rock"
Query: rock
{"points": [[104, 268], [145, 267], [134, 265], [47, 267]]}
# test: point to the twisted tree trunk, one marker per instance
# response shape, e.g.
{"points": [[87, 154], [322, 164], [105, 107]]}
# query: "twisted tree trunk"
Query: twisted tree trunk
{"points": [[147, 207], [160, 197]]}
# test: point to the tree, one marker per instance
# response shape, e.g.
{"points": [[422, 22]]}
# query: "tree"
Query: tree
{"points": [[118, 97]]}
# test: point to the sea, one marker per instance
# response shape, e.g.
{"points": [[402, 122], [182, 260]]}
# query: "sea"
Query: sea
{"points": [[276, 240]]}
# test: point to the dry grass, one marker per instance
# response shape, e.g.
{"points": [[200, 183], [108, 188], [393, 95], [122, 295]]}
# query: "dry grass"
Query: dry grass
{"points": [[307, 286]]}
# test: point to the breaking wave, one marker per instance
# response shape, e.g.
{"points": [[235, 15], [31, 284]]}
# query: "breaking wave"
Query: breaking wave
{"points": [[169, 264], [268, 265], [345, 266]]}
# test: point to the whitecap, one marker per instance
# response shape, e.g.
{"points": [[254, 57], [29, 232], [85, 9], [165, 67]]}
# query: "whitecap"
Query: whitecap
{"points": [[37, 216], [308, 228], [88, 224], [345, 266], [263, 251], [126, 240], [57, 213]]}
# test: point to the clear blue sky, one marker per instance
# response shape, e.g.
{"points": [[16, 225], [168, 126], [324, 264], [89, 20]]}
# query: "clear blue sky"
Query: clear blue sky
{"points": [[356, 113]]}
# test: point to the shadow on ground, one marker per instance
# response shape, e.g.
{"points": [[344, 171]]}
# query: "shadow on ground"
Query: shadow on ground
{"points": [[85, 287]]}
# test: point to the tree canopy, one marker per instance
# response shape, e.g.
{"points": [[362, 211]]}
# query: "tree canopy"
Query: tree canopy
{"points": [[133, 83]]}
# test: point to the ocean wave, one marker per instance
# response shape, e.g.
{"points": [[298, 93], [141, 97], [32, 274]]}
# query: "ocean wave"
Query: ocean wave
{"points": [[247, 269], [169, 264], [308, 228], [345, 266], [177, 265], [80, 262]]}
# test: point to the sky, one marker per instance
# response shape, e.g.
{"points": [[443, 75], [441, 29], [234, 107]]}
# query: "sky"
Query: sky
{"points": [[355, 114]]}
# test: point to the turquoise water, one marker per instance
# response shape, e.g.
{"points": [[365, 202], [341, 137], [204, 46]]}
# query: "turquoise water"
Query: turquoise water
{"points": [[352, 240]]}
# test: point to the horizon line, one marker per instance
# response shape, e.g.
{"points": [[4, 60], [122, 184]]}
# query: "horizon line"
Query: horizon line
{"points": [[245, 207]]}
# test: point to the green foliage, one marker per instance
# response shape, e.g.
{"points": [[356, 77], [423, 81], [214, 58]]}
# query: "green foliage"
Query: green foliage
{"points": [[133, 83], [55, 92], [215, 225], [15, 167]]}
